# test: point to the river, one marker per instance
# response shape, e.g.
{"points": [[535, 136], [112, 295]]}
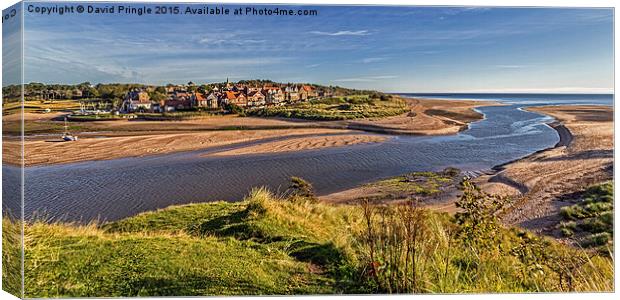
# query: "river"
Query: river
{"points": [[114, 189]]}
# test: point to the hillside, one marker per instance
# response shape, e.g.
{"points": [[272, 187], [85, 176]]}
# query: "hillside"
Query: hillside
{"points": [[295, 245]]}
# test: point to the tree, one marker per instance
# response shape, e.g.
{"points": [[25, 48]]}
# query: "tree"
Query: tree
{"points": [[160, 89], [157, 96]]}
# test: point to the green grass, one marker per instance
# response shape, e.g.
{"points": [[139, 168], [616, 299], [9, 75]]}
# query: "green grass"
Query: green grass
{"points": [[98, 117], [260, 246], [417, 183], [271, 245], [591, 220], [337, 108], [11, 256], [39, 106], [177, 115]]}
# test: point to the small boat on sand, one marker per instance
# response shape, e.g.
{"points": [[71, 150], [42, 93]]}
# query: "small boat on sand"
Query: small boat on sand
{"points": [[66, 136]]}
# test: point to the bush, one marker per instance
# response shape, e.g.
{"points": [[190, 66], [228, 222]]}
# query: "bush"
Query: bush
{"points": [[235, 109], [477, 222], [592, 216], [595, 240], [301, 188], [595, 225], [330, 109]]}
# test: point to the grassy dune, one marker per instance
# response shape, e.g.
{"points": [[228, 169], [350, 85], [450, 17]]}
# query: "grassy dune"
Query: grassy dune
{"points": [[295, 245], [337, 108], [591, 221]]}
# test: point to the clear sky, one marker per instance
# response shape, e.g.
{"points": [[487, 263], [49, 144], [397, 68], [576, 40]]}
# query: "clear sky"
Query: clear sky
{"points": [[392, 49]]}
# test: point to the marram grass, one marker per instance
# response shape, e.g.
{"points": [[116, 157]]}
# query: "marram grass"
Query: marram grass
{"points": [[275, 245]]}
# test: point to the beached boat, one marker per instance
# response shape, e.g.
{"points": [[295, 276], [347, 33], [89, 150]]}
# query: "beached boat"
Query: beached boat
{"points": [[66, 136]]}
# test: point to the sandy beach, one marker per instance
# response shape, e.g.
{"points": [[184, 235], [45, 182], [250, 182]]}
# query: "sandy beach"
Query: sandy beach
{"points": [[429, 117], [305, 143], [40, 152], [102, 140], [543, 182]]}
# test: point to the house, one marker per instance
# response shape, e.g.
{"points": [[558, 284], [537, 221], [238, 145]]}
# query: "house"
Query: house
{"points": [[177, 104], [199, 100], [307, 92], [235, 98], [212, 100], [273, 95], [325, 93], [180, 95], [157, 107], [76, 93], [256, 98], [136, 100], [291, 93]]}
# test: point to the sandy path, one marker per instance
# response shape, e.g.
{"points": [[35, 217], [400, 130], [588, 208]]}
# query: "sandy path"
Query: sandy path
{"points": [[541, 181]]}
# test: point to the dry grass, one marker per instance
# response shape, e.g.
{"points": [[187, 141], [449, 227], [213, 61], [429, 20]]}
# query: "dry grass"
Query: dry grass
{"points": [[271, 244]]}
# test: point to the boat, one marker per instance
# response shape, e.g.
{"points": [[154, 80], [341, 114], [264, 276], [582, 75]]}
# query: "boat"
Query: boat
{"points": [[66, 136]]}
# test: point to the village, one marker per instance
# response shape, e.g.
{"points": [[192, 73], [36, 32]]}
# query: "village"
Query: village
{"points": [[217, 97]]}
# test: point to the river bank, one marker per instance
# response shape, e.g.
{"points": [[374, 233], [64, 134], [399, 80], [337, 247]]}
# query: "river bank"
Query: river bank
{"points": [[544, 182], [538, 183], [103, 140]]}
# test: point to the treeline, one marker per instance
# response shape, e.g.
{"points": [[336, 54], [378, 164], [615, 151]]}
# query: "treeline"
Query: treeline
{"points": [[115, 92]]}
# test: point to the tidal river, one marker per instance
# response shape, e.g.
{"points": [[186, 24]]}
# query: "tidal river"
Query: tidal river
{"points": [[113, 189]]}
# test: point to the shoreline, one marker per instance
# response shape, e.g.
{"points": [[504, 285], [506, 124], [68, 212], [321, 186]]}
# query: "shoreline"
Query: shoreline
{"points": [[566, 137], [497, 177], [105, 140], [547, 180]]}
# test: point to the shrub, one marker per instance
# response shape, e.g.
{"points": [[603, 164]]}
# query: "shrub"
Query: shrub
{"points": [[477, 221], [301, 188], [597, 239], [397, 238]]}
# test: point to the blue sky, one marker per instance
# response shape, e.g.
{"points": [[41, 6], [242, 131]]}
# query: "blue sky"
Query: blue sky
{"points": [[392, 49]]}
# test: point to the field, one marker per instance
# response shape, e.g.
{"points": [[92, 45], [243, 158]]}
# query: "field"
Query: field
{"points": [[178, 115], [41, 106], [292, 244]]}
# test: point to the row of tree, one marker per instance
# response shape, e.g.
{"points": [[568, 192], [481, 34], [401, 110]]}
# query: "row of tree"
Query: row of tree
{"points": [[115, 92]]}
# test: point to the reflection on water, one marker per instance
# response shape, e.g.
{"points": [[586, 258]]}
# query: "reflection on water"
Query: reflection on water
{"points": [[114, 189]]}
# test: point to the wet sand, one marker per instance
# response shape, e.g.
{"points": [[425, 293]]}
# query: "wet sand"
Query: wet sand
{"points": [[101, 140], [51, 151], [542, 183], [305, 143]]}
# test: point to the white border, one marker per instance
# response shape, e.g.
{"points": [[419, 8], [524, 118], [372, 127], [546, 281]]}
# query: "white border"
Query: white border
{"points": [[506, 3]]}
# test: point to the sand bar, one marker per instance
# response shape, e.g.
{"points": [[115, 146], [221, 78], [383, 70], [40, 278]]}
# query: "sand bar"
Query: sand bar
{"points": [[542, 181], [100, 140]]}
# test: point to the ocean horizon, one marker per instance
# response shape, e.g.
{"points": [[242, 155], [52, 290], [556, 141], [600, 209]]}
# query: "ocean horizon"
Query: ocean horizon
{"points": [[523, 98]]}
